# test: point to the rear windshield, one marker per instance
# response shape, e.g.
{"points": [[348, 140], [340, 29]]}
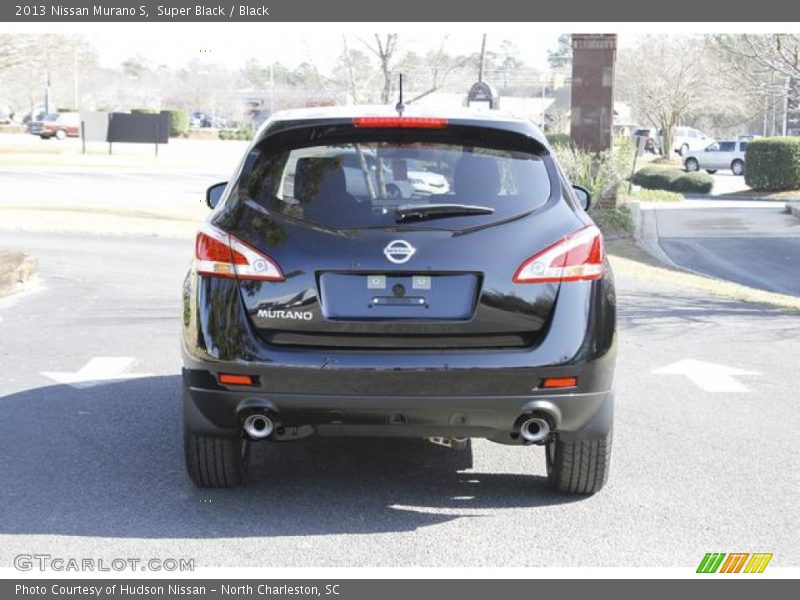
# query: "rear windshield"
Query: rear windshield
{"points": [[383, 183]]}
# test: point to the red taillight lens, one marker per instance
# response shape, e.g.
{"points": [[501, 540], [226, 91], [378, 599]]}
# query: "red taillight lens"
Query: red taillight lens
{"points": [[578, 257], [220, 254], [418, 122]]}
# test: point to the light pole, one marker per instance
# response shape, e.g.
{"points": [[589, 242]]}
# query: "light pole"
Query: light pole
{"points": [[75, 101], [544, 98], [786, 91], [47, 95]]}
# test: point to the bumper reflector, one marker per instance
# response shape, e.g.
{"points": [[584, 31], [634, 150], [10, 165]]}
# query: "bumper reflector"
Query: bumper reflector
{"points": [[230, 379], [559, 382]]}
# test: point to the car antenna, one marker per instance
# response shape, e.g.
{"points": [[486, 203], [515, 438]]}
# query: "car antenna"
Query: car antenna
{"points": [[400, 107]]}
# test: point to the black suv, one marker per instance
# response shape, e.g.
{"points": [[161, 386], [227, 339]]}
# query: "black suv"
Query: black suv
{"points": [[320, 303]]}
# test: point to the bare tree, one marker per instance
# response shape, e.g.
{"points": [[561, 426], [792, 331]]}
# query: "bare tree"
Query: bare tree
{"points": [[561, 57], [384, 49], [28, 62], [664, 80], [778, 52], [766, 67], [506, 62], [13, 49], [441, 66]]}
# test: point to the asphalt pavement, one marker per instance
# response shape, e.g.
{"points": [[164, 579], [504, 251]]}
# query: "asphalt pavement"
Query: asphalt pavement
{"points": [[705, 451], [106, 189], [752, 243], [726, 182]]}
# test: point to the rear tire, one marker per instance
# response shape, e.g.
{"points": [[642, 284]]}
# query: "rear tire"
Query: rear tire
{"points": [[578, 466], [737, 167], [684, 150], [692, 165], [215, 462], [61, 134]]}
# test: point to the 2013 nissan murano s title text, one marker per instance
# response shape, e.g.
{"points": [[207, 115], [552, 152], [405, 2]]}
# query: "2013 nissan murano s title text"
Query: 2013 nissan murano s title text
{"points": [[334, 294]]}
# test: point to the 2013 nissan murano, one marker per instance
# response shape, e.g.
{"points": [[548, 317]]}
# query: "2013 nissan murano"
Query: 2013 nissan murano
{"points": [[372, 272]]}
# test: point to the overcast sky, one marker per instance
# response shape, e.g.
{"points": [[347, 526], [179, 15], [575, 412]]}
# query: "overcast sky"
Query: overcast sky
{"points": [[231, 46]]}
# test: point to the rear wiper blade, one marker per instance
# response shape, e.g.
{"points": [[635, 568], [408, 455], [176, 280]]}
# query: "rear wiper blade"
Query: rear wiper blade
{"points": [[415, 212]]}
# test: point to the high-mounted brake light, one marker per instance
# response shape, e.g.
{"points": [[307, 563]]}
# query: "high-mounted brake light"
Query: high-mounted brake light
{"points": [[578, 257], [414, 122], [220, 254]]}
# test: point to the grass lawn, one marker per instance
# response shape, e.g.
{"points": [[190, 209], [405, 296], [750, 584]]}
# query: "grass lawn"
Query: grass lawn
{"points": [[629, 260]]}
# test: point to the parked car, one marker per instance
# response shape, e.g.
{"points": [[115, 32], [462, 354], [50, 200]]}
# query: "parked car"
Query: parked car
{"points": [[719, 155], [487, 311], [199, 119], [651, 141], [414, 180], [401, 179], [57, 125], [687, 139]]}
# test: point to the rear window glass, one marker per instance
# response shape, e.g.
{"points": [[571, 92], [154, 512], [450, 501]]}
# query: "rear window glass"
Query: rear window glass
{"points": [[373, 184]]}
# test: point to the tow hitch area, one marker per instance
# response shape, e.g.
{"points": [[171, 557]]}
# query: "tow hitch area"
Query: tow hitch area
{"points": [[452, 443]]}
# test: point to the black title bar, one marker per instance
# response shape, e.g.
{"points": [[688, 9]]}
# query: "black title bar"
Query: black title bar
{"points": [[43, 11], [395, 589]]}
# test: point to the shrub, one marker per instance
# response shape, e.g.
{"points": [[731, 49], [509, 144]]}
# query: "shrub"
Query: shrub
{"points": [[235, 134], [773, 164], [558, 139], [673, 180], [614, 221], [178, 122], [144, 111], [693, 183], [601, 173]]}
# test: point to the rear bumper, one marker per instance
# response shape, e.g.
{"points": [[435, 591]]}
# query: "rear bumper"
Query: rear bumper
{"points": [[211, 409], [470, 393]]}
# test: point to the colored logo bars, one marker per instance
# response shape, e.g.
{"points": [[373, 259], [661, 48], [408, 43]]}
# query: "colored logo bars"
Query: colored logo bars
{"points": [[735, 562]]}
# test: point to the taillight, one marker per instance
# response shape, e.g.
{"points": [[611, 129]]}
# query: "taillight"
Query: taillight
{"points": [[418, 122], [220, 254], [578, 257]]}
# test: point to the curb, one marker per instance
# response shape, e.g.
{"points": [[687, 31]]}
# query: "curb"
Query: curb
{"points": [[646, 233], [733, 197], [793, 208], [15, 270]]}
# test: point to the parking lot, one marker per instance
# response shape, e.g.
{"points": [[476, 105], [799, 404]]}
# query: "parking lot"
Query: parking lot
{"points": [[90, 435]]}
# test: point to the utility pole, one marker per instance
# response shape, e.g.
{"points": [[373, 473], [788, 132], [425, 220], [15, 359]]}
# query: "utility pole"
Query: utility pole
{"points": [[271, 87], [75, 100], [47, 95], [774, 107], [544, 89], [483, 58], [786, 90]]}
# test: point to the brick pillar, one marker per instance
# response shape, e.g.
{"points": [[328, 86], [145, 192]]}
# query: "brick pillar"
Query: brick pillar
{"points": [[593, 57]]}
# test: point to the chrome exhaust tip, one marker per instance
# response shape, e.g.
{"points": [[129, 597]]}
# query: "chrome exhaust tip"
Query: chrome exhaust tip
{"points": [[534, 430], [258, 426]]}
